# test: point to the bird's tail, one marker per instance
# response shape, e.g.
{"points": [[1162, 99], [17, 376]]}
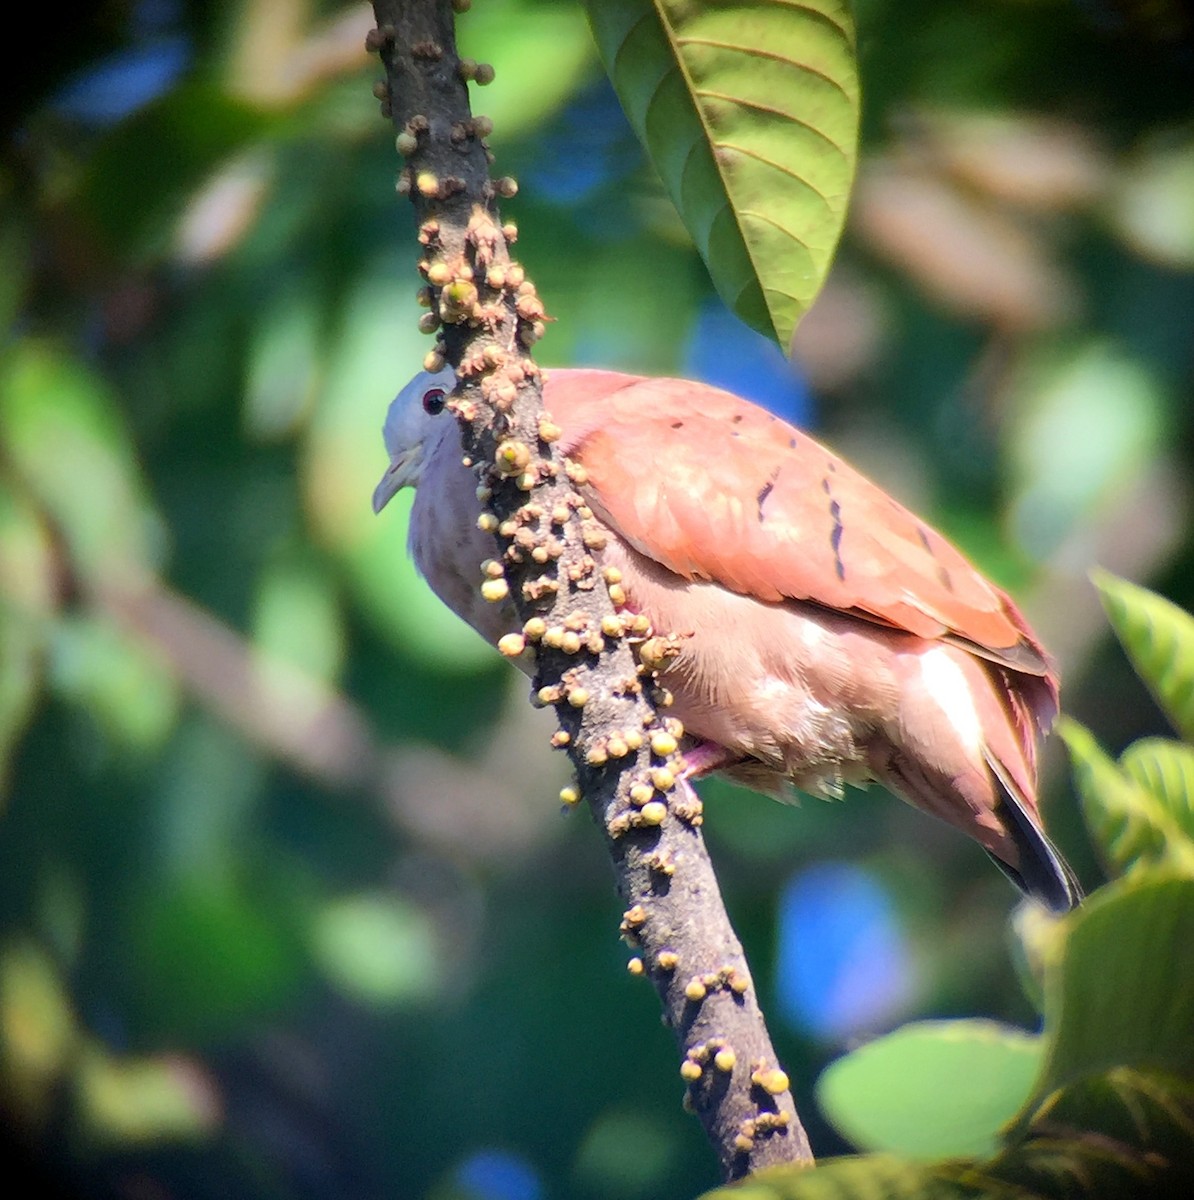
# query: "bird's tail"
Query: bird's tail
{"points": [[1041, 872]]}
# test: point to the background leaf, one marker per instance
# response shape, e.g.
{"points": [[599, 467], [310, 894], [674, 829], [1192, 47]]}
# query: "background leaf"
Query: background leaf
{"points": [[1159, 639], [749, 112], [1166, 769], [932, 1088], [1131, 822], [1124, 993]]}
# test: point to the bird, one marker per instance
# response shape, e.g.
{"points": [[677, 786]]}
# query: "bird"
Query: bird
{"points": [[827, 636]]}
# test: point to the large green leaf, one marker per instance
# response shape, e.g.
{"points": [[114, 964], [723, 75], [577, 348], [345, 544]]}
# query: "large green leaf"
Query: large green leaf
{"points": [[932, 1088], [1112, 1113], [1123, 995], [1159, 639], [1130, 822], [750, 113]]}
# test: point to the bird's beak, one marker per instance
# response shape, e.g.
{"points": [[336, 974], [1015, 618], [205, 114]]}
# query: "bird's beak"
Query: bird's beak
{"points": [[397, 476]]}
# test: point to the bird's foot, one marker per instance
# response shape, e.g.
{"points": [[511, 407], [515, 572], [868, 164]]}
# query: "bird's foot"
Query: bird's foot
{"points": [[702, 758]]}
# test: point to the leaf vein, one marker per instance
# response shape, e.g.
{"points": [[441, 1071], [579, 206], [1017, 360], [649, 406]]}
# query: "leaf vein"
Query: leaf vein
{"points": [[778, 112], [774, 55]]}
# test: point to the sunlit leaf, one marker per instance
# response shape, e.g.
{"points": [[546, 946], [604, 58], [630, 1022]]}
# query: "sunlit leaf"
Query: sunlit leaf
{"points": [[283, 366], [72, 450], [1123, 995], [1159, 639], [1166, 769], [1150, 208], [933, 1088], [378, 949], [26, 597], [137, 1101], [626, 1152], [37, 1025], [750, 113], [297, 618], [1090, 418], [126, 688], [1131, 823], [524, 40]]}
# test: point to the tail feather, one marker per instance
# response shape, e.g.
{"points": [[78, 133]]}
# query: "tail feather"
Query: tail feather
{"points": [[1041, 872]]}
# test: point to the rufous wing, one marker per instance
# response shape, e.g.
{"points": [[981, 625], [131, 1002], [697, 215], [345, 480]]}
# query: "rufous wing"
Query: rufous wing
{"points": [[715, 488]]}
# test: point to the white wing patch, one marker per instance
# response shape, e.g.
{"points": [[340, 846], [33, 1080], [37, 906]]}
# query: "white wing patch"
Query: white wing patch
{"points": [[947, 686]]}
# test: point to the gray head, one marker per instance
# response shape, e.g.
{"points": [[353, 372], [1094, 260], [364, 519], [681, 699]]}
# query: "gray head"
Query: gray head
{"points": [[412, 429]]}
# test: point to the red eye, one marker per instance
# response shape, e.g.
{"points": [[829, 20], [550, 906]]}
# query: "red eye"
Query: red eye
{"points": [[433, 401]]}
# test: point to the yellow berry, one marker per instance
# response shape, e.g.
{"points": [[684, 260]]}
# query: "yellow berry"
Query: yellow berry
{"points": [[641, 794], [662, 744], [512, 645], [495, 590]]}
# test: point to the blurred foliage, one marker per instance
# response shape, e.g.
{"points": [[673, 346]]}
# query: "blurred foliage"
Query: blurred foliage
{"points": [[1101, 1102], [285, 907]]}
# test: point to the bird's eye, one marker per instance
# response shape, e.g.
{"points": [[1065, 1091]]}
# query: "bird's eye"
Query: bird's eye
{"points": [[433, 401]]}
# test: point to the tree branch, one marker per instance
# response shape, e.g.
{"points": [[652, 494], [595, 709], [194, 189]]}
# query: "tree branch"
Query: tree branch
{"points": [[595, 662]]}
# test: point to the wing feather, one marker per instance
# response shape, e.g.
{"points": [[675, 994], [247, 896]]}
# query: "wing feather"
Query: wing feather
{"points": [[715, 488]]}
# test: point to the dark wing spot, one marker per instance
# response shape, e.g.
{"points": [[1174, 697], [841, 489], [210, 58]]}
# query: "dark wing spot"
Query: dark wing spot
{"points": [[736, 418], [791, 443], [677, 424], [766, 491], [942, 573], [835, 539], [825, 486]]}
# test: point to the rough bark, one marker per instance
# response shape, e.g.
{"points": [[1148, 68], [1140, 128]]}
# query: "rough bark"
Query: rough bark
{"points": [[593, 659]]}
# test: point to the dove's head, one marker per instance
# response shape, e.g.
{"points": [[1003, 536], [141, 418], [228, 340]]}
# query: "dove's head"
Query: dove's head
{"points": [[413, 427]]}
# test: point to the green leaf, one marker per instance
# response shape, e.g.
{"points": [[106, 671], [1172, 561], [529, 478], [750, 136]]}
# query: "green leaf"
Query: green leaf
{"points": [[749, 112], [517, 38], [1130, 822], [378, 949], [122, 1102], [1123, 1133], [128, 691], [1159, 638], [69, 445], [1166, 769], [207, 957], [1123, 995], [871, 1177], [932, 1088], [27, 585]]}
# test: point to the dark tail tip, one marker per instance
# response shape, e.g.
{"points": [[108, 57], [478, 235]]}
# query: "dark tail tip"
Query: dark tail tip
{"points": [[1042, 873]]}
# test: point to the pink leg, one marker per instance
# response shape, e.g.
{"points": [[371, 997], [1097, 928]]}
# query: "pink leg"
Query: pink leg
{"points": [[703, 758]]}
